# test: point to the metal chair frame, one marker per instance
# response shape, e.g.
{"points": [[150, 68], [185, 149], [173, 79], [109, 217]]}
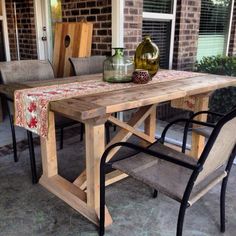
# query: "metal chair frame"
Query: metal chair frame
{"points": [[196, 171]]}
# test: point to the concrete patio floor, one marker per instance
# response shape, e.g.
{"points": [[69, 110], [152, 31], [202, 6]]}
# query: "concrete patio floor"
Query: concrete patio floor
{"points": [[27, 209]]}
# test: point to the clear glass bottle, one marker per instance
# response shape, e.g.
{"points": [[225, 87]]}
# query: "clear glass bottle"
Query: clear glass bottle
{"points": [[118, 68], [147, 56]]}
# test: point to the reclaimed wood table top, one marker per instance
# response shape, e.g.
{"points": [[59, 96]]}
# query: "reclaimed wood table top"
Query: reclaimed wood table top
{"points": [[90, 106]]}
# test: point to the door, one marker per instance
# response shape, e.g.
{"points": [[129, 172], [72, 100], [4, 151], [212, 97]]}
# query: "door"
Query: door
{"points": [[47, 13], [2, 48]]}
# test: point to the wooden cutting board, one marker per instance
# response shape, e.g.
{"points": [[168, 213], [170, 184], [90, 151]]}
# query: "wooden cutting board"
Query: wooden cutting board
{"points": [[71, 40]]}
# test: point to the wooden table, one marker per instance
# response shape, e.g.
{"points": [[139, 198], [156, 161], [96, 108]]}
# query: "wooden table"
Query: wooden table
{"points": [[94, 110]]}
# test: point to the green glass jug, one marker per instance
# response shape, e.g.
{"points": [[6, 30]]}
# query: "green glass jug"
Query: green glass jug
{"points": [[118, 68], [147, 56]]}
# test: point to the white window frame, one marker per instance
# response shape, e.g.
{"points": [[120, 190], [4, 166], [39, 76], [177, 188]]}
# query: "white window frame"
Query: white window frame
{"points": [[165, 17], [230, 27], [3, 18]]}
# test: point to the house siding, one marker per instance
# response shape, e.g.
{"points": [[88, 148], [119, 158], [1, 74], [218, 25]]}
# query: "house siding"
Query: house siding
{"points": [[186, 34]]}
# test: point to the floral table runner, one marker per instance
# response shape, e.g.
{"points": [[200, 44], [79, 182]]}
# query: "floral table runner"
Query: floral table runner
{"points": [[32, 105]]}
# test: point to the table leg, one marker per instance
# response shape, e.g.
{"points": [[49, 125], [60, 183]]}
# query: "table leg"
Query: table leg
{"points": [[95, 146], [198, 141], [150, 123], [48, 150], [62, 188]]}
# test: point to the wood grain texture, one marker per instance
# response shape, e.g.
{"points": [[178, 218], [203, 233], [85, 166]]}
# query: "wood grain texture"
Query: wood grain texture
{"points": [[79, 45], [69, 194], [48, 150], [198, 141]]}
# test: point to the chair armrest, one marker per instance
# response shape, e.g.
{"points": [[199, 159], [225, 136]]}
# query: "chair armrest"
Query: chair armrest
{"points": [[146, 151], [163, 135], [206, 112]]}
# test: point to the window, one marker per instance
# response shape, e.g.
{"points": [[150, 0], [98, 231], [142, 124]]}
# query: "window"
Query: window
{"points": [[214, 28], [159, 23]]}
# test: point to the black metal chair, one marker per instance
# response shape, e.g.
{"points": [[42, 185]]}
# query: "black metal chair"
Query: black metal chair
{"points": [[29, 70], [176, 174]]}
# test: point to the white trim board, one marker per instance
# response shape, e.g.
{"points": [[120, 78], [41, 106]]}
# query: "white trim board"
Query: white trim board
{"points": [[117, 23], [5, 32]]}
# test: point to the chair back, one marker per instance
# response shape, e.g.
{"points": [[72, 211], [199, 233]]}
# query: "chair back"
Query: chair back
{"points": [[25, 70], [219, 146], [87, 65]]}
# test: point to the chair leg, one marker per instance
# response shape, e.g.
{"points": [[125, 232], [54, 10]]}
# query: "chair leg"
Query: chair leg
{"points": [[13, 133], [82, 130], [155, 193], [32, 157], [116, 115], [61, 138], [222, 204], [108, 137], [180, 223], [102, 202]]}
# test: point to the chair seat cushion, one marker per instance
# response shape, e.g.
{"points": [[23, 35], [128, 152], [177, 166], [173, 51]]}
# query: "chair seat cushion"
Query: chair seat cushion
{"points": [[166, 177]]}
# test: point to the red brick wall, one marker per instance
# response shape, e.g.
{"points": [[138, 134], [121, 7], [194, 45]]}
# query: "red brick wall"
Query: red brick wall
{"points": [[26, 29], [98, 12], [186, 34], [232, 44], [132, 25]]}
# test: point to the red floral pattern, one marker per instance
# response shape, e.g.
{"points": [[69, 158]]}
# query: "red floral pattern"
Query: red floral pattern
{"points": [[31, 105]]}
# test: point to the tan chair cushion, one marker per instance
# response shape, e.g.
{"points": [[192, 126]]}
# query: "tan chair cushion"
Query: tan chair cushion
{"points": [[87, 65], [166, 177]]}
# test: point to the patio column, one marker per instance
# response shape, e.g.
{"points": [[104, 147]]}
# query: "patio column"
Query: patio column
{"points": [[117, 23]]}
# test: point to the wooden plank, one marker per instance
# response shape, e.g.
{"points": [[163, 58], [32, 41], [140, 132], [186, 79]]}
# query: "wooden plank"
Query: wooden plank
{"points": [[122, 136], [111, 178], [71, 39], [198, 141], [149, 94], [114, 177], [131, 129], [187, 103], [150, 125], [77, 109], [9, 89], [69, 195], [48, 150], [95, 146], [56, 53], [80, 180], [71, 33]]}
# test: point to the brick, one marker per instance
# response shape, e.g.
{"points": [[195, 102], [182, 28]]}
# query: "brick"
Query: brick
{"points": [[186, 34]]}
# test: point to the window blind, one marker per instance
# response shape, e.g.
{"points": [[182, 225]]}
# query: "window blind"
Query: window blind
{"points": [[160, 34], [158, 6], [214, 23]]}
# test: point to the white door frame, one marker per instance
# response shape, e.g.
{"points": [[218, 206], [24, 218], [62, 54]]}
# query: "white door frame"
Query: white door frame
{"points": [[5, 31], [43, 19]]}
